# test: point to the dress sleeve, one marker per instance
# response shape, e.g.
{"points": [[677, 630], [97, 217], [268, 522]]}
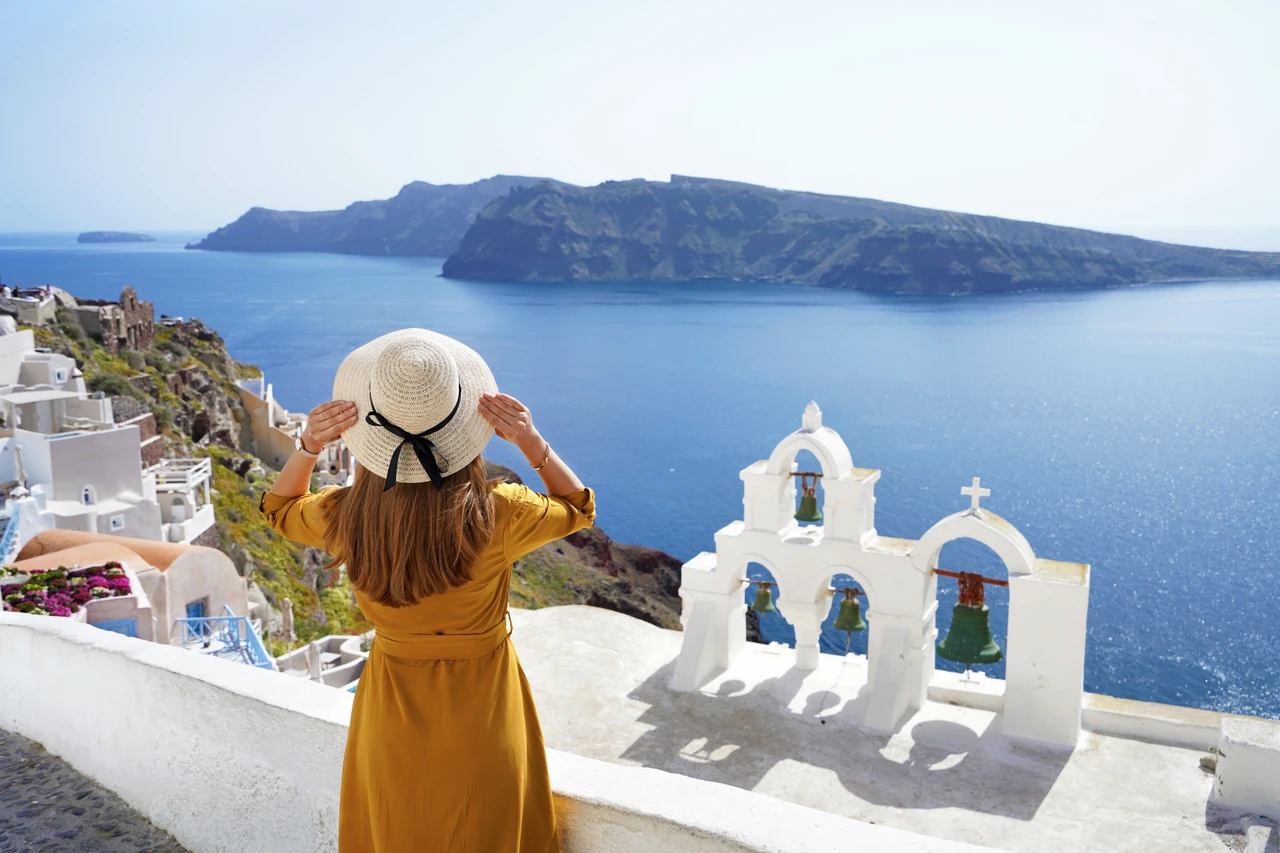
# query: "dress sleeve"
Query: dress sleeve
{"points": [[535, 519], [299, 519]]}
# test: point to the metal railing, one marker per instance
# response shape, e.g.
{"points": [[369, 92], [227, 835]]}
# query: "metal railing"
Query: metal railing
{"points": [[182, 475], [231, 637], [9, 540]]}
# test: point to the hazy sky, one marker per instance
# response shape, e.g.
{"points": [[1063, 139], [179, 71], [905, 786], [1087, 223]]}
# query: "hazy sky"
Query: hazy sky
{"points": [[176, 115]]}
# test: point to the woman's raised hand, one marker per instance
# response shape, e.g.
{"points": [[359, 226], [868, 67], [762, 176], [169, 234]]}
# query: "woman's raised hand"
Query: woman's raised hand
{"points": [[511, 420], [326, 422]]}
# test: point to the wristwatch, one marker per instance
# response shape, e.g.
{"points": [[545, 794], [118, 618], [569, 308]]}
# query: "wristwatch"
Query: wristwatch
{"points": [[297, 445]]}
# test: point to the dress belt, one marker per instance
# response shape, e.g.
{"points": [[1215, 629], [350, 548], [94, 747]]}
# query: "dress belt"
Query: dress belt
{"points": [[443, 646]]}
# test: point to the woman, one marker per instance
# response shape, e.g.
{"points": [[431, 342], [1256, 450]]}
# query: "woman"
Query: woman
{"points": [[444, 752]]}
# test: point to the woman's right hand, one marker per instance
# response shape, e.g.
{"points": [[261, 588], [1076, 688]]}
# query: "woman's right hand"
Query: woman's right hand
{"points": [[326, 422]]}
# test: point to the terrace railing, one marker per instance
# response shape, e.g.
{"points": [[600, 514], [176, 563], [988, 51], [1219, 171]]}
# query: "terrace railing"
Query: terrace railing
{"points": [[231, 637], [182, 475], [9, 539]]}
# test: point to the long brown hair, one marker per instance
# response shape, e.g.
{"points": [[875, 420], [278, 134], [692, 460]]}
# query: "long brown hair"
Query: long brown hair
{"points": [[412, 540]]}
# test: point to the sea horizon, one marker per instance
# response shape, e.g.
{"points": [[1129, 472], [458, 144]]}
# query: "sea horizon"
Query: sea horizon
{"points": [[1247, 238], [1125, 428]]}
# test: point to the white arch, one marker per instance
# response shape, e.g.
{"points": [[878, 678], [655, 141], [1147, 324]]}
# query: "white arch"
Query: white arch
{"points": [[983, 526], [748, 559], [823, 442], [860, 577], [833, 455]]}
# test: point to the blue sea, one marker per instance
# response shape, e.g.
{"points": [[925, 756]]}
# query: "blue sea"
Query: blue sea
{"points": [[1137, 430]]}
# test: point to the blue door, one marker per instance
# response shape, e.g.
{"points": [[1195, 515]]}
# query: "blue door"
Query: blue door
{"points": [[128, 627], [195, 610]]}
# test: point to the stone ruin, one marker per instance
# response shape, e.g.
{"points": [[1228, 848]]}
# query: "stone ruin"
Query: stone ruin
{"points": [[127, 325]]}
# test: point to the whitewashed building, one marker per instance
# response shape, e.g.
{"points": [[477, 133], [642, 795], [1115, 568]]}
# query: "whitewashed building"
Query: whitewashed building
{"points": [[65, 463], [274, 430], [336, 660], [180, 594]]}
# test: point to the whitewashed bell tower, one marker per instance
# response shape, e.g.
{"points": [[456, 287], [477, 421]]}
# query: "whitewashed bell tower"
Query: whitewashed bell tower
{"points": [[1048, 600]]}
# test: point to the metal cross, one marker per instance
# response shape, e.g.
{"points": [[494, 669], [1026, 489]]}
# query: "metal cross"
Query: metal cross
{"points": [[976, 493]]}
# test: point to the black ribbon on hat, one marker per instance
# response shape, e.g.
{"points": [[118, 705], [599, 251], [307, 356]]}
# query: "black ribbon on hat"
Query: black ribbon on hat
{"points": [[422, 446]]}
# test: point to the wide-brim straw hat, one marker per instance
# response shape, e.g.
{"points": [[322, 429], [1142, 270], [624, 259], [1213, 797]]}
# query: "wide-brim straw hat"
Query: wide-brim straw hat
{"points": [[417, 393]]}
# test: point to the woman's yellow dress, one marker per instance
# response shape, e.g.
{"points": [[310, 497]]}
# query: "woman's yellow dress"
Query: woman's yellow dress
{"points": [[445, 753]]}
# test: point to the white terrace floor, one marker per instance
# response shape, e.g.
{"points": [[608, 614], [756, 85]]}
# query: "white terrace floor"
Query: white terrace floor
{"points": [[599, 679]]}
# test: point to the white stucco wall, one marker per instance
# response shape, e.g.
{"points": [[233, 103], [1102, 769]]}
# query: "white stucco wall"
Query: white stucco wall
{"points": [[272, 445], [227, 757], [36, 457], [108, 460], [13, 349], [1247, 775], [52, 368], [125, 607], [98, 411]]}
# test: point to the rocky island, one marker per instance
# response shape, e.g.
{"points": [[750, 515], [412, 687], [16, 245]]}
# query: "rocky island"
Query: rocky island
{"points": [[114, 237], [421, 220], [513, 228], [699, 228]]}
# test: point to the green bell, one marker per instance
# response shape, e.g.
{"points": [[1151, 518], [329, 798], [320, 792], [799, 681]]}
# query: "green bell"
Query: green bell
{"points": [[969, 640], [763, 602], [850, 618], [809, 508]]}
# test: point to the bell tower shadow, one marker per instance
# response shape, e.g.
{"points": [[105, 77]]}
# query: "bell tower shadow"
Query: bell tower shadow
{"points": [[738, 735]]}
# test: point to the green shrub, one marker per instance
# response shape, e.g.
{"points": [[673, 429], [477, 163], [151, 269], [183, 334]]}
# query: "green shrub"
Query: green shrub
{"points": [[135, 360], [75, 332], [114, 385], [177, 350]]}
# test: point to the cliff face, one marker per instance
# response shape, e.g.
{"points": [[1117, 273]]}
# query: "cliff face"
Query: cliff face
{"points": [[588, 567], [694, 228], [187, 380], [421, 220]]}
